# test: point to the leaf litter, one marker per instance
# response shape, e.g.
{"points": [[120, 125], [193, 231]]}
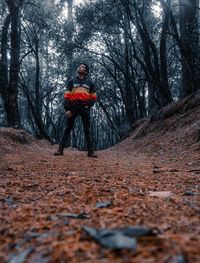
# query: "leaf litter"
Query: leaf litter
{"points": [[149, 218]]}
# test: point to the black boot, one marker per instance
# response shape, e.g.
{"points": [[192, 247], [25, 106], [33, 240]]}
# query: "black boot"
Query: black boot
{"points": [[59, 151], [92, 154]]}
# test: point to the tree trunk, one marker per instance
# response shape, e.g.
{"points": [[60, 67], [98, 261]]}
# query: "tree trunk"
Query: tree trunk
{"points": [[165, 90], [38, 120], [38, 101], [69, 44], [190, 42], [13, 118], [129, 103], [4, 62]]}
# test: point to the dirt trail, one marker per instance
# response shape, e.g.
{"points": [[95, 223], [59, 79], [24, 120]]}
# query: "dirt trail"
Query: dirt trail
{"points": [[38, 189]]}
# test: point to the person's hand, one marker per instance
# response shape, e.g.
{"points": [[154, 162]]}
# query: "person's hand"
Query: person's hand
{"points": [[68, 114]]}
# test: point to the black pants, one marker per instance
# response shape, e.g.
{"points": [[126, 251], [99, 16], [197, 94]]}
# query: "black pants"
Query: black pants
{"points": [[85, 116]]}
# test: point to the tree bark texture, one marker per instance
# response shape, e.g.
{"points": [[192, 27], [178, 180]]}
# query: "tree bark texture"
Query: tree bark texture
{"points": [[69, 43], [4, 61], [13, 118], [190, 43]]}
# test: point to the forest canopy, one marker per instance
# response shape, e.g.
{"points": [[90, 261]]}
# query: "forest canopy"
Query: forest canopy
{"points": [[142, 54]]}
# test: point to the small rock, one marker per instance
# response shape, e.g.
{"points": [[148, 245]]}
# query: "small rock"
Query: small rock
{"points": [[103, 204], [160, 194], [189, 193]]}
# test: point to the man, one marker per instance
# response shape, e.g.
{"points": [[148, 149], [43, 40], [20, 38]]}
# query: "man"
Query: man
{"points": [[79, 98]]}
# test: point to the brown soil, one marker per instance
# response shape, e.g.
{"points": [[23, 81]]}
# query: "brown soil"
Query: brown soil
{"points": [[36, 188]]}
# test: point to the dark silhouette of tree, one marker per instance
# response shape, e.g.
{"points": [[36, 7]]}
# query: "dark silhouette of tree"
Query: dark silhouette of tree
{"points": [[4, 63], [12, 111], [186, 34], [189, 36]]}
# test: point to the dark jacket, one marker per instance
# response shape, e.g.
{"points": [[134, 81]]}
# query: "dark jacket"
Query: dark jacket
{"points": [[79, 93]]}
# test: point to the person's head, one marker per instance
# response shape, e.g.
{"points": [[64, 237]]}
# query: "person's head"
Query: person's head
{"points": [[83, 69]]}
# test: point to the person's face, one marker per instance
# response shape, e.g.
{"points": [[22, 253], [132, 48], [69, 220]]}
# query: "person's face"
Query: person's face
{"points": [[81, 69]]}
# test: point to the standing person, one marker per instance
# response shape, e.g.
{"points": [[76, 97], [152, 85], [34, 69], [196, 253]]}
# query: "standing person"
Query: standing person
{"points": [[79, 98]]}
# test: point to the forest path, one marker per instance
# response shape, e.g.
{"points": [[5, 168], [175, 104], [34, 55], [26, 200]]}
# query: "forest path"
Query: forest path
{"points": [[38, 189]]}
